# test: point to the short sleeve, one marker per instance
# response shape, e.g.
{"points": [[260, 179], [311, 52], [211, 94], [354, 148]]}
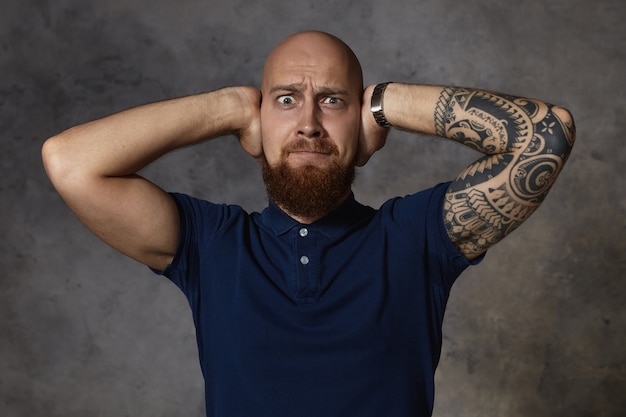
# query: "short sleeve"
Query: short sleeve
{"points": [[421, 216], [199, 221]]}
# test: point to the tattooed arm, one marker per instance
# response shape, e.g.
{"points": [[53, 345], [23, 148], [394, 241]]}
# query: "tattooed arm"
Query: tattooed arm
{"points": [[526, 143]]}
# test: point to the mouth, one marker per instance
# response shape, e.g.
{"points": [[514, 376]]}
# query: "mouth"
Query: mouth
{"points": [[316, 147], [308, 152], [308, 157]]}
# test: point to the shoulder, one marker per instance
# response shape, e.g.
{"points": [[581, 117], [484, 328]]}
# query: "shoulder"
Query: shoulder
{"points": [[415, 206], [200, 214], [419, 216]]}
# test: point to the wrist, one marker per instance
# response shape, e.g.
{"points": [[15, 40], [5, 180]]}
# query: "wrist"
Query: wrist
{"points": [[235, 108], [377, 105]]}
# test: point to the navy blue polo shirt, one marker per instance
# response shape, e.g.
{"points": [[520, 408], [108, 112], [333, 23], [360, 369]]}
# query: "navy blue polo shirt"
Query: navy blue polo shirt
{"points": [[338, 318]]}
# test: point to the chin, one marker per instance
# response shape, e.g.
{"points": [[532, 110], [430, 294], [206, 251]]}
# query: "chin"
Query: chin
{"points": [[308, 190]]}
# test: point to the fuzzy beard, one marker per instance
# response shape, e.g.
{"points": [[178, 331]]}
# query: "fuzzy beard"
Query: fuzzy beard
{"points": [[308, 191]]}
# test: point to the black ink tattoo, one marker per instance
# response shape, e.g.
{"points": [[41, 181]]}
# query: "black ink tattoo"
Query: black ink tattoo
{"points": [[525, 142]]}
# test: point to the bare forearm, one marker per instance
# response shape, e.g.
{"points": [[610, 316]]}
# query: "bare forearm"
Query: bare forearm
{"points": [[123, 143]]}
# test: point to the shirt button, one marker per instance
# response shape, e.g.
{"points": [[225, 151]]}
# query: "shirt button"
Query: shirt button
{"points": [[304, 260], [304, 232]]}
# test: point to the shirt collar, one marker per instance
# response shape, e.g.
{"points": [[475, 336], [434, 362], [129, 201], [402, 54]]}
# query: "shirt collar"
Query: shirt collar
{"points": [[336, 223]]}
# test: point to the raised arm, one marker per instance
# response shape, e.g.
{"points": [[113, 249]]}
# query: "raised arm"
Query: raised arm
{"points": [[526, 143], [93, 166]]}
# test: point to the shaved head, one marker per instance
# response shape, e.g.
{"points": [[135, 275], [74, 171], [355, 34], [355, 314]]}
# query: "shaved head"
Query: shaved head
{"points": [[313, 48]]}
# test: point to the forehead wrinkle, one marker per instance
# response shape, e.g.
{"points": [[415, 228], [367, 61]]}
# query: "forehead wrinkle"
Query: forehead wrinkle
{"points": [[291, 87], [301, 87]]}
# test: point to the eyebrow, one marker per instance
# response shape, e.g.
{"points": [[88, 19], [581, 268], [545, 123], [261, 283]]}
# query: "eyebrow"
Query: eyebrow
{"points": [[297, 87]]}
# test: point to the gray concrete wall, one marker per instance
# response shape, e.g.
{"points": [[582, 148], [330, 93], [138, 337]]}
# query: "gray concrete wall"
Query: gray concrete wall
{"points": [[537, 330]]}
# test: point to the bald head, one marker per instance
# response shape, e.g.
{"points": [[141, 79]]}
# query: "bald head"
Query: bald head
{"points": [[314, 50]]}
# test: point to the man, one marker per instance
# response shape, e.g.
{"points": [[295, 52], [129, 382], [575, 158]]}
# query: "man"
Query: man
{"points": [[318, 306]]}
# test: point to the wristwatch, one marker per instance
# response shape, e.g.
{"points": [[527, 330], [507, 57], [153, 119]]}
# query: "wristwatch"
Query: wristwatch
{"points": [[377, 105]]}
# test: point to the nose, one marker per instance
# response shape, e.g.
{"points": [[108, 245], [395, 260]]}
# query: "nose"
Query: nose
{"points": [[309, 125]]}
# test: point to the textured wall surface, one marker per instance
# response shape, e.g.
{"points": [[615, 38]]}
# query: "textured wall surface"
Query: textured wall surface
{"points": [[537, 330]]}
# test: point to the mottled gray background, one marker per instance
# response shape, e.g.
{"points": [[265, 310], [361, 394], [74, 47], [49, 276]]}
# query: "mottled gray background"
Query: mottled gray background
{"points": [[539, 329]]}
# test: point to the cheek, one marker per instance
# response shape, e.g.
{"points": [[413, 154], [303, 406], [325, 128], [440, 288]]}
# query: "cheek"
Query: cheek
{"points": [[347, 137], [272, 136]]}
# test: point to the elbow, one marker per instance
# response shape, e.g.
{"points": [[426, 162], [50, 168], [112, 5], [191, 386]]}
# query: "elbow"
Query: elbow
{"points": [[565, 135], [56, 160], [50, 156]]}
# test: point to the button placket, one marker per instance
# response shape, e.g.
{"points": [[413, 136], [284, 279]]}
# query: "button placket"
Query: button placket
{"points": [[304, 232], [307, 270]]}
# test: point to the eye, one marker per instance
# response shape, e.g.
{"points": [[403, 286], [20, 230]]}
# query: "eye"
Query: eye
{"points": [[286, 100], [331, 100]]}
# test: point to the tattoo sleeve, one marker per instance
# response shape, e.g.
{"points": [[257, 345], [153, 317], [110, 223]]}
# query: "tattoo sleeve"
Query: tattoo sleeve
{"points": [[525, 142]]}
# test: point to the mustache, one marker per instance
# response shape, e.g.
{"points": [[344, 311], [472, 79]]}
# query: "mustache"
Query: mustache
{"points": [[308, 145]]}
